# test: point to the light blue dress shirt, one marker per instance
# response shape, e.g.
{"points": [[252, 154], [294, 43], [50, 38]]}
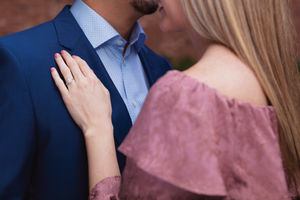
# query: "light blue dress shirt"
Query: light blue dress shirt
{"points": [[126, 72]]}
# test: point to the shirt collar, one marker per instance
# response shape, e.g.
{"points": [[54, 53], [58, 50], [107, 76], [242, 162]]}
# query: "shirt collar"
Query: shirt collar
{"points": [[138, 37], [98, 31]]}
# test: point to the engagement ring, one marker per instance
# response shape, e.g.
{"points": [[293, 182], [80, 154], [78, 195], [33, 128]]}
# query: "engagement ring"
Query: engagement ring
{"points": [[69, 81]]}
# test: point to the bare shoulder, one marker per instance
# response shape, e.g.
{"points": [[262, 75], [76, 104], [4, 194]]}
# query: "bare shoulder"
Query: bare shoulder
{"points": [[229, 76]]}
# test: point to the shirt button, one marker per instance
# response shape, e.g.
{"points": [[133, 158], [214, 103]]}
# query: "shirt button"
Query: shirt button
{"points": [[124, 62], [134, 103], [120, 42]]}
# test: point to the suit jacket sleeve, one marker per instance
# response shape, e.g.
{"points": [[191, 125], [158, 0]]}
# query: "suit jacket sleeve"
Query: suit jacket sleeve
{"points": [[17, 128]]}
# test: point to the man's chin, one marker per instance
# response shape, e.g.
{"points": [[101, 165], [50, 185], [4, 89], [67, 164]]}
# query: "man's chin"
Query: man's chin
{"points": [[145, 7]]}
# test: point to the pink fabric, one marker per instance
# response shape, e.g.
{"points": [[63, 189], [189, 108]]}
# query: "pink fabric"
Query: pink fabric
{"points": [[106, 189], [191, 142]]}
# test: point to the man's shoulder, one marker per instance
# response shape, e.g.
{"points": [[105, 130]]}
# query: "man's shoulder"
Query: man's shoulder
{"points": [[39, 34], [35, 35]]}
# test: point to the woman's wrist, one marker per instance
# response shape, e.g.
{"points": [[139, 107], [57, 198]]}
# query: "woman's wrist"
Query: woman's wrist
{"points": [[105, 129], [101, 153]]}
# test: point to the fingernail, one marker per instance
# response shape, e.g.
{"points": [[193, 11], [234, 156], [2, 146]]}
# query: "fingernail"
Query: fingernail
{"points": [[57, 55], [73, 56], [63, 51], [52, 69], [93, 71]]}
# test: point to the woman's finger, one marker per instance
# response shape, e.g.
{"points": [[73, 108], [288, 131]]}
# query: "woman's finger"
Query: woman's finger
{"points": [[72, 65], [84, 67], [59, 83], [88, 72], [63, 69]]}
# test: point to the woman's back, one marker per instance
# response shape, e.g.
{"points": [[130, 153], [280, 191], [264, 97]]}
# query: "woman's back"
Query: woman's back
{"points": [[221, 69], [260, 33]]}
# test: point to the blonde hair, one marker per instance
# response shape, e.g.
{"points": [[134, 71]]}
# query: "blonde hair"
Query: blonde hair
{"points": [[260, 32]]}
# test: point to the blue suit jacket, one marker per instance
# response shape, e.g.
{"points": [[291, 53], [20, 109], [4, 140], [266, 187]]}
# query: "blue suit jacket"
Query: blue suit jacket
{"points": [[42, 150]]}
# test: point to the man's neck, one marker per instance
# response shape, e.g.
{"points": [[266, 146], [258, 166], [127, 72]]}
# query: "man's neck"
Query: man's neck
{"points": [[119, 14]]}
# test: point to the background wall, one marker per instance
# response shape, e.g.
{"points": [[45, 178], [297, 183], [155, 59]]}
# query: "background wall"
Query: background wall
{"points": [[17, 15]]}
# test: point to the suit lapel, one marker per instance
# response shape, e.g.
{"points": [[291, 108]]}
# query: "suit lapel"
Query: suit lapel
{"points": [[71, 37]]}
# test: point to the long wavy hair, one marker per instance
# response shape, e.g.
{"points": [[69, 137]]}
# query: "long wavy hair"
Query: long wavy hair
{"points": [[261, 33]]}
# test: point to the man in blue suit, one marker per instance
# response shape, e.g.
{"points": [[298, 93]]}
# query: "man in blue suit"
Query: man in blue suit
{"points": [[42, 150]]}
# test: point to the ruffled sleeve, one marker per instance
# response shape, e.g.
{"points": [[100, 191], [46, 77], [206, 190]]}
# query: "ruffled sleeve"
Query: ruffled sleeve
{"points": [[191, 137], [106, 189]]}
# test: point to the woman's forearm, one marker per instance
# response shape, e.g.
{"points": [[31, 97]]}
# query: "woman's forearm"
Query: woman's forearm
{"points": [[88, 102], [102, 159]]}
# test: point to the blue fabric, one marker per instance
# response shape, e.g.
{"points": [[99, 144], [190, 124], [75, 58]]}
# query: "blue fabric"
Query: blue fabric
{"points": [[42, 150], [126, 71]]}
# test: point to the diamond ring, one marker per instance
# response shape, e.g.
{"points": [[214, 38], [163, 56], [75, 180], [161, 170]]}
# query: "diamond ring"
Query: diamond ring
{"points": [[69, 81]]}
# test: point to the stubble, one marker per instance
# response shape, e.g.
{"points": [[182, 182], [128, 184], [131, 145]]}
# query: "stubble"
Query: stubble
{"points": [[146, 7]]}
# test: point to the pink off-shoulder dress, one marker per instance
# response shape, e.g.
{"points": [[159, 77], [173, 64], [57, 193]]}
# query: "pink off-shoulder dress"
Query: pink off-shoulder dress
{"points": [[190, 142]]}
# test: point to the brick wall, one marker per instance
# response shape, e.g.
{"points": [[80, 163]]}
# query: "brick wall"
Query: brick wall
{"points": [[17, 15]]}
